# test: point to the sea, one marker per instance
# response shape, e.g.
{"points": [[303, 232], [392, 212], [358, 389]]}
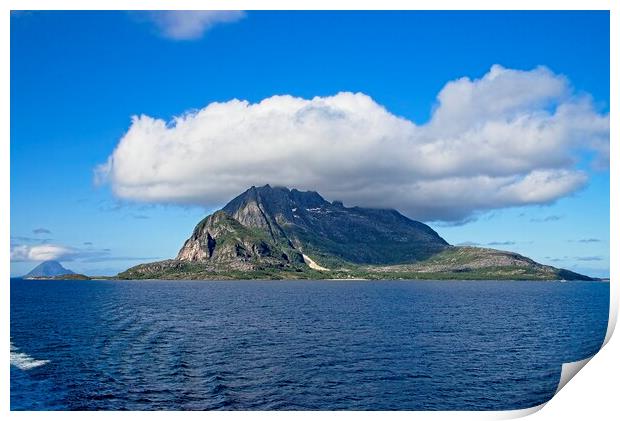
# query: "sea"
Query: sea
{"points": [[298, 345]]}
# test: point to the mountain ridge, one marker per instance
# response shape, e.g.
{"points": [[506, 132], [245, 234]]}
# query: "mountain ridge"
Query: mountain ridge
{"points": [[274, 232]]}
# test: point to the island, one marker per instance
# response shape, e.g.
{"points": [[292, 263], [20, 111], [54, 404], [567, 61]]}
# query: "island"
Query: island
{"points": [[52, 269], [279, 233]]}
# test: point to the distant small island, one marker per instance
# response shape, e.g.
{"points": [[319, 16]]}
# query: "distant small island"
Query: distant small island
{"points": [[276, 233], [54, 270], [68, 277], [51, 269]]}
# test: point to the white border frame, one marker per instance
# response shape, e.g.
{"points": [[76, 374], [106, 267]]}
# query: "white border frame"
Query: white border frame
{"points": [[592, 395]]}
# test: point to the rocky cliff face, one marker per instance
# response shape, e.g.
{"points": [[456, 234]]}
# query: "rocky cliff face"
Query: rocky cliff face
{"points": [[220, 240], [278, 224]]}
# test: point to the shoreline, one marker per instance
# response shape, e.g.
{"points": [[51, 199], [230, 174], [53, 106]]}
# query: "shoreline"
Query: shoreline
{"points": [[312, 279]]}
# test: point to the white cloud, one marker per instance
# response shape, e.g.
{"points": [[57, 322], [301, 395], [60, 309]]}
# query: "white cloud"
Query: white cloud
{"points": [[190, 24], [511, 138], [36, 253], [42, 252], [38, 231]]}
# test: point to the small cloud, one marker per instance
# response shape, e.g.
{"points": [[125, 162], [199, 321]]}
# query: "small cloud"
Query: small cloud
{"points": [[97, 259], [39, 253], [42, 252], [22, 239], [457, 222], [589, 258], [39, 231], [491, 215], [189, 24], [139, 216], [106, 206], [501, 243], [468, 243], [36, 253], [549, 218], [88, 243], [589, 240]]}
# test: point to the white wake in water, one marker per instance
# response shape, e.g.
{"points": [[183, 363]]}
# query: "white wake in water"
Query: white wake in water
{"points": [[24, 361]]}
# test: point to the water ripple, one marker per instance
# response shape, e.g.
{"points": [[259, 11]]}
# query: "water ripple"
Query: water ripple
{"points": [[149, 345]]}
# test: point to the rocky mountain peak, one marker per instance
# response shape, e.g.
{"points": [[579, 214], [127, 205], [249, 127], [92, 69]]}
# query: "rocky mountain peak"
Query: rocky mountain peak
{"points": [[292, 222], [265, 207]]}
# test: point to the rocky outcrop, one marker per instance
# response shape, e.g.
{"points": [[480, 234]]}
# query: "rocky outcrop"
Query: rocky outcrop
{"points": [[221, 241]]}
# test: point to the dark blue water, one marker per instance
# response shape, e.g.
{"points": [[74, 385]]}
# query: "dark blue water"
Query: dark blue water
{"points": [[298, 344]]}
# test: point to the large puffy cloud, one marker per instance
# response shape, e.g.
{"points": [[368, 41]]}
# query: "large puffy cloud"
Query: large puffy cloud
{"points": [[511, 138]]}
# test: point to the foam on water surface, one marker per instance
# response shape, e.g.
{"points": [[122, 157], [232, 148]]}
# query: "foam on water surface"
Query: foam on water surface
{"points": [[24, 361]]}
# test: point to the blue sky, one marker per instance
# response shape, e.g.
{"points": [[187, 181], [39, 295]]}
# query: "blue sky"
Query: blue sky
{"points": [[77, 78]]}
